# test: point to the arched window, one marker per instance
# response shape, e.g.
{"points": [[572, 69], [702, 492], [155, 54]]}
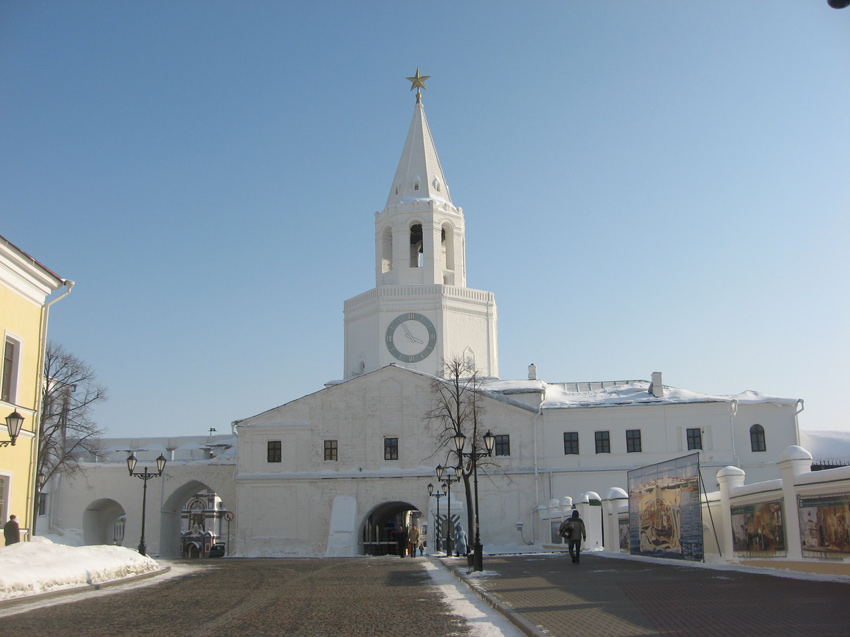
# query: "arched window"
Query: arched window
{"points": [[757, 438], [447, 241], [416, 252], [387, 250]]}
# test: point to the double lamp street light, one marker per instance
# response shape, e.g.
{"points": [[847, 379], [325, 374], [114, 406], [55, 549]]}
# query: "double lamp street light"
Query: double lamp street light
{"points": [[438, 495], [474, 456], [447, 478], [144, 476]]}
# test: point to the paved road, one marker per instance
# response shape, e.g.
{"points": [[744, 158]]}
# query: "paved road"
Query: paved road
{"points": [[366, 596], [610, 596]]}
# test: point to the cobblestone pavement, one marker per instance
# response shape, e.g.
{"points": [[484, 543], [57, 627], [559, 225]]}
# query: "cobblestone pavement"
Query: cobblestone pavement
{"points": [[609, 596], [360, 596]]}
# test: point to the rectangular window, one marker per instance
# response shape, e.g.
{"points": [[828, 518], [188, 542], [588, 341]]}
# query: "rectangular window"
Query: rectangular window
{"points": [[632, 440], [4, 498], [274, 450], [390, 448], [603, 442], [11, 356], [42, 504], [694, 439], [570, 443], [330, 450], [503, 445]]}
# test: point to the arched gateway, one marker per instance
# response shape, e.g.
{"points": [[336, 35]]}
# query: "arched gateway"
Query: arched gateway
{"points": [[103, 522], [207, 527], [378, 533]]}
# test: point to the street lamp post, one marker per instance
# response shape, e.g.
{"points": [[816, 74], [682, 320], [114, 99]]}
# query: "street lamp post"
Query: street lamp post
{"points": [[447, 479], [144, 476], [474, 455], [437, 495]]}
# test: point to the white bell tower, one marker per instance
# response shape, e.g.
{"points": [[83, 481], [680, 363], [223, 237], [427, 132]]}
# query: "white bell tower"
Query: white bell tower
{"points": [[420, 312]]}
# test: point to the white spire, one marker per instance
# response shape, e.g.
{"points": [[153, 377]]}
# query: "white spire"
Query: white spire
{"points": [[419, 174]]}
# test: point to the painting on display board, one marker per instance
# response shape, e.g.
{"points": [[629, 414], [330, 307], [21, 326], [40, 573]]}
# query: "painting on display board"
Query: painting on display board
{"points": [[824, 528], [665, 514], [758, 530]]}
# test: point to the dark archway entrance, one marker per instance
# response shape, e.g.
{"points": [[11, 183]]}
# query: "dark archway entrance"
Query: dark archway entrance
{"points": [[380, 527], [103, 522]]}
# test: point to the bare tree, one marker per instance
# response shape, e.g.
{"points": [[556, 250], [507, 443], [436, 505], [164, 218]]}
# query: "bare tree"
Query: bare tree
{"points": [[66, 429], [457, 408]]}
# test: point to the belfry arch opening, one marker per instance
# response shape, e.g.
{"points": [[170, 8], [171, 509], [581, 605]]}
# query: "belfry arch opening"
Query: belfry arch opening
{"points": [[386, 250], [378, 535], [447, 245], [416, 247]]}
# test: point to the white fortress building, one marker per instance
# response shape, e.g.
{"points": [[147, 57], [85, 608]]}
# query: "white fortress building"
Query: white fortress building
{"points": [[332, 473]]}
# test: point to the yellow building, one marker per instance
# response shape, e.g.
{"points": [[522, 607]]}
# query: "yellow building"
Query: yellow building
{"points": [[25, 285]]}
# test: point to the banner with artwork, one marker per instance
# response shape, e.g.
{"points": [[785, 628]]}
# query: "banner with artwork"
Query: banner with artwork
{"points": [[758, 530], [665, 514], [824, 528]]}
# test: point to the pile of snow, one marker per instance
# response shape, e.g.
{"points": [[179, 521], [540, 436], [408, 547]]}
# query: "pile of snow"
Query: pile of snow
{"points": [[40, 566]]}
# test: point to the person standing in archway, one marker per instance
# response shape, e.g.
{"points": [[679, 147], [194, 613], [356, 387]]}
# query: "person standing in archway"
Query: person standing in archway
{"points": [[401, 539], [413, 540], [11, 530]]}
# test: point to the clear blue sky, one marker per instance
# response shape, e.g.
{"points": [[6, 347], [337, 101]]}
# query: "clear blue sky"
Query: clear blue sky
{"points": [[646, 185]]}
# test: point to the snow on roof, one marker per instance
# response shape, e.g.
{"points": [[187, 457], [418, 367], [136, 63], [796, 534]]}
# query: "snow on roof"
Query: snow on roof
{"points": [[827, 445], [618, 393]]}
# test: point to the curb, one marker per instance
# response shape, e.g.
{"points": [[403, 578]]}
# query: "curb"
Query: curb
{"points": [[37, 597], [507, 612]]}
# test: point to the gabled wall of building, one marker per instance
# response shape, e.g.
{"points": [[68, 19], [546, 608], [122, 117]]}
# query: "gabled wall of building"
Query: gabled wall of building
{"points": [[25, 285]]}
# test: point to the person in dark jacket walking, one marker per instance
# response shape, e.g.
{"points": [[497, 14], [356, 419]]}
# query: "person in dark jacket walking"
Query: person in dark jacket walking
{"points": [[572, 529], [11, 530]]}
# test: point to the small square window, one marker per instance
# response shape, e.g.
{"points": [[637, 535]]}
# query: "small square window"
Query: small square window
{"points": [[694, 439], [503, 445], [330, 450], [603, 442], [570, 443], [274, 449], [390, 448], [633, 440]]}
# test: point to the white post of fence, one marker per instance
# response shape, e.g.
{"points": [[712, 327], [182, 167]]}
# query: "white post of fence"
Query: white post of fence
{"points": [[728, 478], [793, 462]]}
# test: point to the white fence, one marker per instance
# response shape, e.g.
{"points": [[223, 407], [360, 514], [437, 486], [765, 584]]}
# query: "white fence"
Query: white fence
{"points": [[800, 521]]}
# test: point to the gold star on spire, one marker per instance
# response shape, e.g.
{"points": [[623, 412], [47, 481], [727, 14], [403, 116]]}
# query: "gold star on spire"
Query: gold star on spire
{"points": [[418, 84]]}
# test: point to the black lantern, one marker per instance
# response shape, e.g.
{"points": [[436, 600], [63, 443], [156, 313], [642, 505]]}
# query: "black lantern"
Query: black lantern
{"points": [[14, 422]]}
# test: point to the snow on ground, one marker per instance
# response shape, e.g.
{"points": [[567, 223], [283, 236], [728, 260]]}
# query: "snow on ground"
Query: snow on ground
{"points": [[41, 566], [483, 621]]}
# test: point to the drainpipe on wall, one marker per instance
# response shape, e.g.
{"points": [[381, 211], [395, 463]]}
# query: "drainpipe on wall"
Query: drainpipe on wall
{"points": [[802, 405], [733, 409], [536, 469], [42, 353]]}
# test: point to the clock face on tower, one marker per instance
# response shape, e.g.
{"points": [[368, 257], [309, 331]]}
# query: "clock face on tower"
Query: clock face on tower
{"points": [[411, 337]]}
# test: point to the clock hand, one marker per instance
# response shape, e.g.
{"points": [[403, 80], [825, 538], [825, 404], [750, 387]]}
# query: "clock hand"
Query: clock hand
{"points": [[410, 335]]}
